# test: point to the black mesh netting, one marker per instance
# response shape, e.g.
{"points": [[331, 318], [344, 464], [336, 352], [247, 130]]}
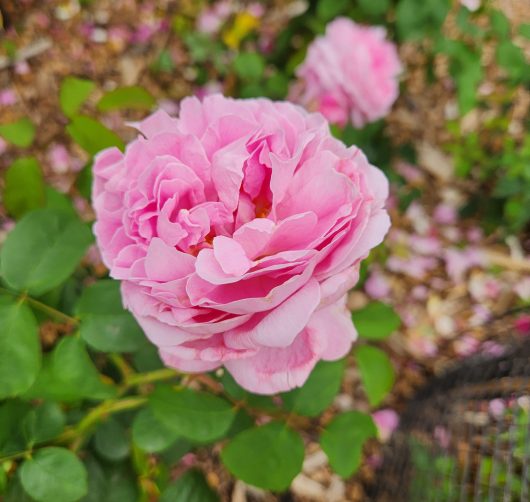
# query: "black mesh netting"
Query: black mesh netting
{"points": [[465, 437]]}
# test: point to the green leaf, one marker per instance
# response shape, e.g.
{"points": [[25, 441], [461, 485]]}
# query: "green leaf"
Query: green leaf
{"points": [[268, 457], [374, 8], [97, 482], [232, 388], [20, 133], [73, 93], [44, 422], [242, 421], [24, 187], [151, 435], [147, 358], [466, 23], [134, 97], [467, 78], [54, 474], [15, 492], [507, 187], [500, 24], [163, 63], [466, 69], [277, 86], [319, 390], [3, 481], [72, 364], [328, 9], [419, 18], [190, 487], [84, 181], [517, 213], [121, 484], [524, 30], [376, 321], [252, 90], [201, 46], [110, 482], [91, 135], [43, 249], [58, 200], [512, 59], [68, 374], [343, 440], [20, 355], [105, 324], [111, 440], [12, 415], [377, 372], [176, 451], [249, 65], [194, 415]]}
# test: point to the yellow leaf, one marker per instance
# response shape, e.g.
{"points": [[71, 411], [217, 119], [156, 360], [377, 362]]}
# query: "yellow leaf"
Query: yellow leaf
{"points": [[244, 23]]}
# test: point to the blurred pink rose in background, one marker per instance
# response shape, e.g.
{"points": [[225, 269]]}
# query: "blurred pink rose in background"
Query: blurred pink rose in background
{"points": [[237, 230], [350, 73]]}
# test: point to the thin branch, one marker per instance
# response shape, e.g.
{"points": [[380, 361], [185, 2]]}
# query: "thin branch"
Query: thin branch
{"points": [[46, 309], [506, 261], [35, 49]]}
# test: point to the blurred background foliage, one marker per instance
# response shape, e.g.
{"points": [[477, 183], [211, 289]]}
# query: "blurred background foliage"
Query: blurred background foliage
{"points": [[76, 374]]}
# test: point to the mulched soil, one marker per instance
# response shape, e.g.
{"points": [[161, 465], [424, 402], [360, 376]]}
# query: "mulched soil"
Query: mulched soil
{"points": [[445, 278]]}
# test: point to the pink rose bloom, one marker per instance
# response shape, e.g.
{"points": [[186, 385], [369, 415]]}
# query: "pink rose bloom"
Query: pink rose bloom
{"points": [[351, 73], [236, 230]]}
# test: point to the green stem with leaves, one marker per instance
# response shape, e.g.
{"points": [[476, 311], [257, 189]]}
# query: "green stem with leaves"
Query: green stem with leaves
{"points": [[38, 305], [75, 436], [137, 379]]}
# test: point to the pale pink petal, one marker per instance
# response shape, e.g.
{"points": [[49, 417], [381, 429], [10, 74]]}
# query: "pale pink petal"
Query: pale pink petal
{"points": [[334, 329], [187, 365], [230, 255], [155, 124], [274, 370], [165, 263], [386, 422], [280, 326], [254, 236]]}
